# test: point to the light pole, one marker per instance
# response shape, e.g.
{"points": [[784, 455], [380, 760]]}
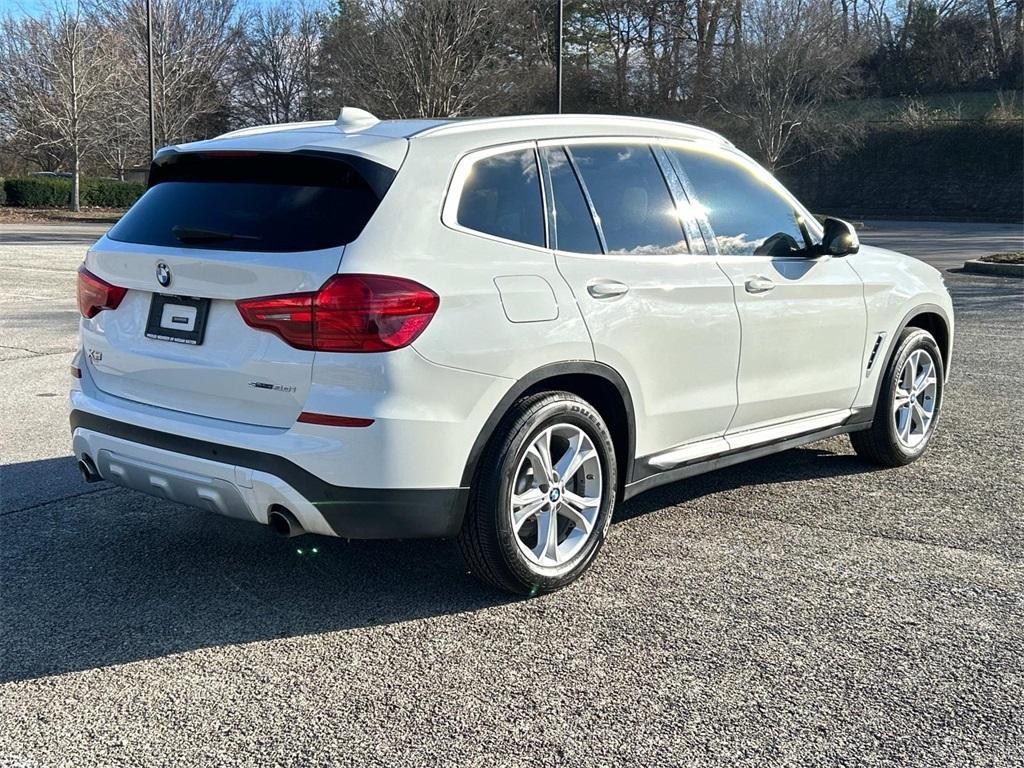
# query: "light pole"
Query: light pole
{"points": [[558, 60], [149, 76]]}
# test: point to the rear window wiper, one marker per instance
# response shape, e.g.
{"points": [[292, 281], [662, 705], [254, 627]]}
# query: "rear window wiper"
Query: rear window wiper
{"points": [[200, 235]]}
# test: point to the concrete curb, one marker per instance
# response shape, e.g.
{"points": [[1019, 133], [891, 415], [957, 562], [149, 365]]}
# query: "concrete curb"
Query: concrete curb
{"points": [[980, 267]]}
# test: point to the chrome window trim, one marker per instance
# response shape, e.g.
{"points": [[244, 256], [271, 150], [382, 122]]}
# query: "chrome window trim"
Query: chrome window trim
{"points": [[598, 139], [549, 201], [686, 213], [813, 226], [450, 207], [594, 215], [652, 143]]}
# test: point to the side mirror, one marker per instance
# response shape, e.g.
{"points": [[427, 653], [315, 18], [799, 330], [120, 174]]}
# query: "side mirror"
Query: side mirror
{"points": [[839, 239]]}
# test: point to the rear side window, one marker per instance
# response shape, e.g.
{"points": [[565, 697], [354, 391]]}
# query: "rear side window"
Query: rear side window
{"points": [[636, 211], [276, 202], [501, 197], [574, 226], [748, 214]]}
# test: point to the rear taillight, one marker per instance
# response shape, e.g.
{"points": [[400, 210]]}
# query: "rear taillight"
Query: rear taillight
{"points": [[95, 295], [350, 313], [290, 317]]}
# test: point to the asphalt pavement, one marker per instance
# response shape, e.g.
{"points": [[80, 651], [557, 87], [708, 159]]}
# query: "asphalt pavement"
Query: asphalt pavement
{"points": [[801, 609], [944, 244]]}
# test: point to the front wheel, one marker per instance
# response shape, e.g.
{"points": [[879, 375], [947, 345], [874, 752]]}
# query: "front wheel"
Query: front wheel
{"points": [[544, 496], [908, 403]]}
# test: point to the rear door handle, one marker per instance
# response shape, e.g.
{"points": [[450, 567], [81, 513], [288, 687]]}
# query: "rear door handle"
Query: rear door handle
{"points": [[606, 289], [759, 285]]}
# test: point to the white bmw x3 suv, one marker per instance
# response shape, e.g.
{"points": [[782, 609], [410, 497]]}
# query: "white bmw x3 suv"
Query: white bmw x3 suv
{"points": [[490, 329]]}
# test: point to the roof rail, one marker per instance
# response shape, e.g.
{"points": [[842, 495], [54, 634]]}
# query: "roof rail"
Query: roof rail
{"points": [[482, 123]]}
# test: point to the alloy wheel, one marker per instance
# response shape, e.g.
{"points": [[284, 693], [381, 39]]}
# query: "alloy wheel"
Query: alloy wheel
{"points": [[556, 495], [915, 399]]}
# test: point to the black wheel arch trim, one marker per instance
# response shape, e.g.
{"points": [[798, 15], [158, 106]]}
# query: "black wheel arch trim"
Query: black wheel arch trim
{"points": [[537, 376], [920, 309]]}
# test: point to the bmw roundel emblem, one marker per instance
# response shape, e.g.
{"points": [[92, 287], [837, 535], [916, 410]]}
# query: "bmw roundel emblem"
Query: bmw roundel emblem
{"points": [[163, 274]]}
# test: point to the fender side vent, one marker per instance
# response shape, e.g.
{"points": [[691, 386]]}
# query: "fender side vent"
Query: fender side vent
{"points": [[874, 353]]}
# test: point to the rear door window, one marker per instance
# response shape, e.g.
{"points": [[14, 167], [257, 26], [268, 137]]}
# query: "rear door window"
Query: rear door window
{"points": [[633, 204], [501, 196], [574, 226], [255, 202], [747, 213]]}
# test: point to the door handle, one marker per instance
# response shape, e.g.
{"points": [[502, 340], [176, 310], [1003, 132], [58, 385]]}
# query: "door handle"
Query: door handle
{"points": [[759, 285], [606, 289]]}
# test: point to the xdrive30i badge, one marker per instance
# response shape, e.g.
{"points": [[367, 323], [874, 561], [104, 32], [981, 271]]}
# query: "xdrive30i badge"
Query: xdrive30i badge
{"points": [[163, 274], [274, 387]]}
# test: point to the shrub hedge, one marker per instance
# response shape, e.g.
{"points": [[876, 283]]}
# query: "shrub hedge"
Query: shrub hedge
{"points": [[37, 192], [3, 192], [48, 192], [110, 193]]}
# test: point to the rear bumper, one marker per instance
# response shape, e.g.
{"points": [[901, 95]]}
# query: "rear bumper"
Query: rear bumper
{"points": [[245, 483]]}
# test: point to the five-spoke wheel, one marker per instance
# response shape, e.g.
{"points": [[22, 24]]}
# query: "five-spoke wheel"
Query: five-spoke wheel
{"points": [[909, 399], [556, 495], [544, 496], [915, 398]]}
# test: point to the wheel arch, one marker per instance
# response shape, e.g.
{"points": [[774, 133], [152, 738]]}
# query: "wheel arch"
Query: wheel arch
{"points": [[597, 383], [936, 323], [927, 317]]}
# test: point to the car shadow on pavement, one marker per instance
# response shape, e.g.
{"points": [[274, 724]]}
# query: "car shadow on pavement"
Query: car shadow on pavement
{"points": [[111, 576], [798, 464]]}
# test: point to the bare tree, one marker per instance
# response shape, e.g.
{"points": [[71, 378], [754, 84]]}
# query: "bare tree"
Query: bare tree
{"points": [[706, 22], [53, 71], [621, 22], [667, 59], [275, 61], [192, 41], [764, 68], [125, 141], [665, 51], [791, 65], [997, 33], [414, 58]]}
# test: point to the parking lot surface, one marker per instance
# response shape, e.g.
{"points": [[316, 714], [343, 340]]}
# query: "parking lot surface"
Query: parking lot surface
{"points": [[806, 608]]}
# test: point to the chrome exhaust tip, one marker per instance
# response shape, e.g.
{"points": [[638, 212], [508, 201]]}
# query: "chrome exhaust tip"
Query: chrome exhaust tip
{"points": [[284, 523], [89, 472]]}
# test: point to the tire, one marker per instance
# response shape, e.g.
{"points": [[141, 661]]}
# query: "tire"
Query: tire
{"points": [[547, 551], [897, 437]]}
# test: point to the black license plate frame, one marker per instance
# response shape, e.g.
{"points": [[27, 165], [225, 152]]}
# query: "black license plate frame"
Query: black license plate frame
{"points": [[193, 326]]}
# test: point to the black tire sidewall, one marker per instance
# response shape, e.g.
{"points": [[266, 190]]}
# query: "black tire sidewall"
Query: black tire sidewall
{"points": [[565, 410], [913, 340]]}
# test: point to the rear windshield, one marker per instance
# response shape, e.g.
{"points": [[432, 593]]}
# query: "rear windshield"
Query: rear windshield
{"points": [[255, 201]]}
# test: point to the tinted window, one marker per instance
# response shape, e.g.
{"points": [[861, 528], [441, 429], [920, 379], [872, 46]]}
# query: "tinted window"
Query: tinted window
{"points": [[574, 226], [747, 214], [283, 202], [502, 197], [636, 212]]}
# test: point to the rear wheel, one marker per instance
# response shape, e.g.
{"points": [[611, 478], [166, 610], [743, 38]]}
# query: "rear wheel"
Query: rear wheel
{"points": [[544, 496], [908, 404]]}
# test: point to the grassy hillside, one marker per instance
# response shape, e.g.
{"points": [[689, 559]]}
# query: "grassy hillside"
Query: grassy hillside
{"points": [[971, 105], [948, 170]]}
